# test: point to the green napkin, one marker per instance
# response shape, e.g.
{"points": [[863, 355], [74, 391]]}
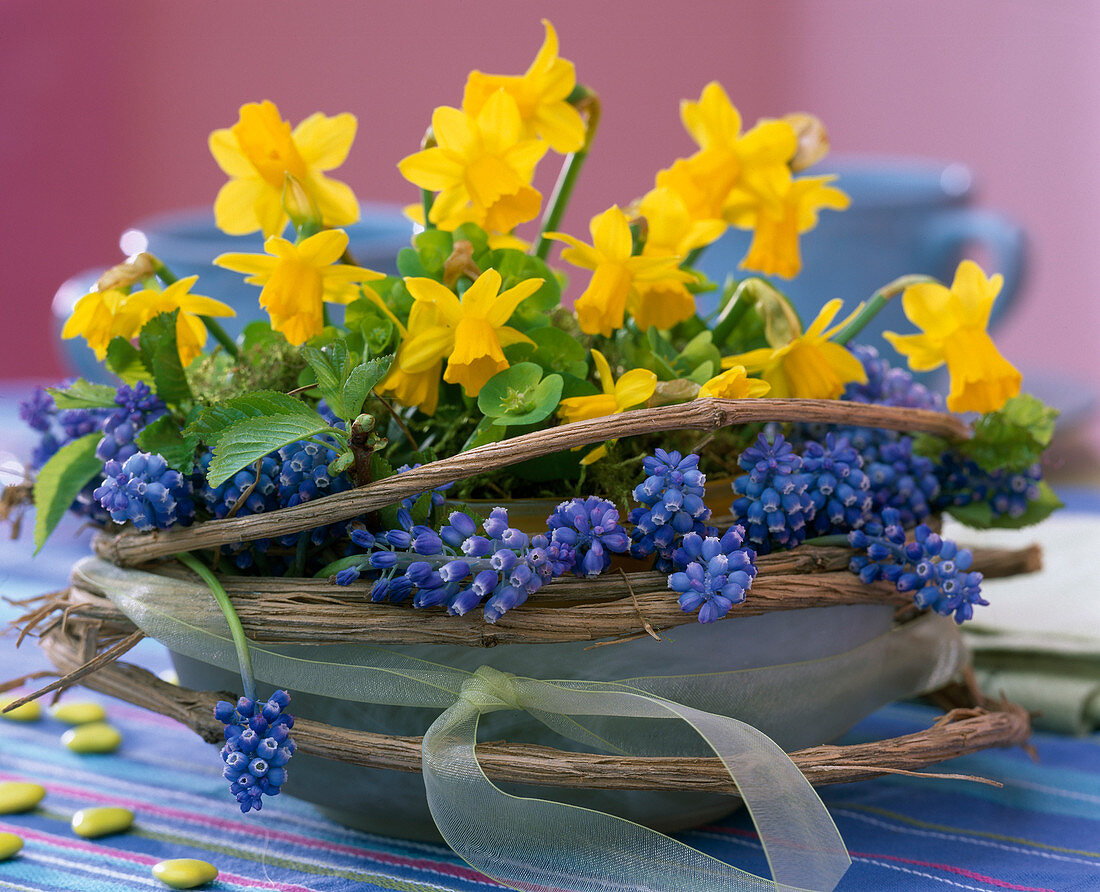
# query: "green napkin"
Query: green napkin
{"points": [[1038, 641]]}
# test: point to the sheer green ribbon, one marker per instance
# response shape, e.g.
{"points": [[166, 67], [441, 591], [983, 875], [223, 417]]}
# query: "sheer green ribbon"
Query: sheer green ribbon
{"points": [[537, 844]]}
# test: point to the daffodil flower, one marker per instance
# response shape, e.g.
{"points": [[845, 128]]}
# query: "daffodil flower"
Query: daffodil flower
{"points": [[98, 317], [775, 250], [730, 168], [481, 163], [616, 275], [734, 384], [540, 96], [141, 306], [808, 366], [298, 279], [632, 389], [419, 388], [260, 150], [954, 323], [470, 333]]}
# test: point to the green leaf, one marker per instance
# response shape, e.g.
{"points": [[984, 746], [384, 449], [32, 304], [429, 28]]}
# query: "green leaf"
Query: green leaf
{"points": [[409, 263], [520, 395], [516, 266], [434, 246], [329, 381], [1012, 438], [364, 317], [160, 354], [362, 380], [164, 437], [341, 463], [214, 420], [485, 432], [475, 235], [247, 441], [124, 360], [83, 395], [556, 351], [979, 515], [259, 334], [60, 480]]}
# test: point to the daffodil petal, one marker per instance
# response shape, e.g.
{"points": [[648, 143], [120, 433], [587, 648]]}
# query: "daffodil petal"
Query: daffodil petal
{"points": [[324, 142], [634, 388]]}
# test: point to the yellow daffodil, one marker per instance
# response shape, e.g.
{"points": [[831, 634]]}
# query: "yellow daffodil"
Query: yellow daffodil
{"points": [[260, 150], [141, 306], [809, 366], [954, 324], [632, 389], [540, 96], [470, 333], [734, 384], [616, 275], [297, 279], [730, 169], [482, 162], [100, 316], [420, 388]]}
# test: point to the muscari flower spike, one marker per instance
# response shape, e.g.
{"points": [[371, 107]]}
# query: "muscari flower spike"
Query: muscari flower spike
{"points": [[138, 407], [257, 748], [887, 385], [837, 486], [1007, 493], [713, 573], [773, 502], [590, 528], [934, 569], [670, 506], [144, 491]]}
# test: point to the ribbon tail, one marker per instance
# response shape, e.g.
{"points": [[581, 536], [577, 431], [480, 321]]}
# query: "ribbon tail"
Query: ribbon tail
{"points": [[537, 845]]}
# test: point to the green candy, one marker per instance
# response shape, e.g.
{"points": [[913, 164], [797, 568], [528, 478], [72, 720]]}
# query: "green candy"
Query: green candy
{"points": [[93, 822], [19, 796], [9, 845], [97, 737], [185, 873], [79, 713]]}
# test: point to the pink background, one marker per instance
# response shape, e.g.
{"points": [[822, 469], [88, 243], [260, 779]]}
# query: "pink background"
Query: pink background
{"points": [[106, 106]]}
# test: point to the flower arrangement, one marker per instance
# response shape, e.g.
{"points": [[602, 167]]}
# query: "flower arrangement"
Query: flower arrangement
{"points": [[350, 376]]}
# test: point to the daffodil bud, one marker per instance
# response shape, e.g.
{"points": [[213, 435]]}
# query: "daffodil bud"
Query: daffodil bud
{"points": [[123, 275], [781, 324], [679, 390], [301, 208], [459, 264], [813, 140]]}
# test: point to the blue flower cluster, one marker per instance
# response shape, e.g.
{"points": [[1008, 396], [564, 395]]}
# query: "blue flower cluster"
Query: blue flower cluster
{"points": [[838, 488], [459, 568], [934, 569], [437, 497], [138, 407], [1006, 492], [257, 748], [888, 386], [714, 573], [773, 501], [900, 478], [590, 529], [144, 491], [670, 506]]}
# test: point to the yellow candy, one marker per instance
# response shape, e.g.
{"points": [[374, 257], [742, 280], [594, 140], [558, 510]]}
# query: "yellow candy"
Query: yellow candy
{"points": [[97, 737], [92, 822], [79, 713], [17, 796], [28, 712], [9, 845], [185, 873]]}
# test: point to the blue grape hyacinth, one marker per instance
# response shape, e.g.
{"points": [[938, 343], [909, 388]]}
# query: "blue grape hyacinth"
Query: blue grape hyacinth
{"points": [[670, 506], [144, 491], [1008, 493], [714, 573], [837, 486], [257, 748], [138, 407], [887, 385], [772, 500], [590, 528], [936, 570]]}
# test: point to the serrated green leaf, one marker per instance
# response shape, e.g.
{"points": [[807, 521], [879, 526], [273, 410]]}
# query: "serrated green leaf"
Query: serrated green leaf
{"points": [[329, 382], [214, 420], [124, 360], [60, 480], [83, 395], [160, 354], [1013, 437], [341, 463], [164, 437], [362, 380], [247, 441]]}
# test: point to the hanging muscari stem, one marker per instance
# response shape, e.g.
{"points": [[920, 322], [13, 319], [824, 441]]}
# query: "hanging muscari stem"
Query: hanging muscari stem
{"points": [[212, 326], [876, 303], [588, 103], [240, 642]]}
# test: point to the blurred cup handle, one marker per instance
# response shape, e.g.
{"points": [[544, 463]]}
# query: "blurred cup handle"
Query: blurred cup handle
{"points": [[948, 235]]}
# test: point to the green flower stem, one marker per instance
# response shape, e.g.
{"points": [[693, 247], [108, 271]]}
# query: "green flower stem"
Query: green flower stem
{"points": [[567, 179], [427, 199], [693, 256], [734, 311], [240, 642], [212, 325], [876, 303]]}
